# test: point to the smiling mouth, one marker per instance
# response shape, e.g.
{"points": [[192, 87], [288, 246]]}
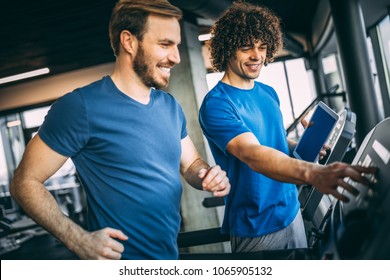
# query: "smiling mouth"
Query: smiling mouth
{"points": [[254, 66], [165, 69]]}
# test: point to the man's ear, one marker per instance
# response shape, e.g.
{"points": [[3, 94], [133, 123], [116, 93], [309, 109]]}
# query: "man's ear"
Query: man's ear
{"points": [[129, 42]]}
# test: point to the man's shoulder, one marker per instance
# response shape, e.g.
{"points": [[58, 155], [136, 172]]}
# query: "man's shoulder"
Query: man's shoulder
{"points": [[103, 83], [217, 92], [217, 97], [263, 86], [92, 86], [79, 96]]}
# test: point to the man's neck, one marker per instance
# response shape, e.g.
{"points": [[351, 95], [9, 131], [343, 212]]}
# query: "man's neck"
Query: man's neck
{"points": [[130, 84], [238, 82]]}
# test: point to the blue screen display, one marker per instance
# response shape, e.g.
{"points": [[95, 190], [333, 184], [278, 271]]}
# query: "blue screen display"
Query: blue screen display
{"points": [[315, 135]]}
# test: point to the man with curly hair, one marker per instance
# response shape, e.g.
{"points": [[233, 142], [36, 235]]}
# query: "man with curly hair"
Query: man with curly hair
{"points": [[243, 123]]}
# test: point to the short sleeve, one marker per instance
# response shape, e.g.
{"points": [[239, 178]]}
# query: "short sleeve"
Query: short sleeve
{"points": [[220, 121], [65, 128], [184, 132]]}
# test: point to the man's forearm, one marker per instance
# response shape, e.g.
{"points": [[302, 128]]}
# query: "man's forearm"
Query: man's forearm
{"points": [[276, 165], [291, 146], [41, 206]]}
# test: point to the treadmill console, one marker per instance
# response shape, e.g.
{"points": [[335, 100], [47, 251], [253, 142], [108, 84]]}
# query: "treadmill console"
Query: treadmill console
{"points": [[360, 228]]}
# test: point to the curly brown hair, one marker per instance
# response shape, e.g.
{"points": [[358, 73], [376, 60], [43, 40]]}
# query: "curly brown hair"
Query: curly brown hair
{"points": [[244, 24]]}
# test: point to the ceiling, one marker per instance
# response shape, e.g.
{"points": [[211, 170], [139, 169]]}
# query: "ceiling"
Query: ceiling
{"points": [[73, 34], [61, 35]]}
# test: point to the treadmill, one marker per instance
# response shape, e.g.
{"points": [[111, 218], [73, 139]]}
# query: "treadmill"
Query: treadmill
{"points": [[359, 229]]}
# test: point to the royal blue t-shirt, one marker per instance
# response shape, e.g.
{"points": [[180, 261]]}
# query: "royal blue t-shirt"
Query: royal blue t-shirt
{"points": [[127, 155], [256, 205]]}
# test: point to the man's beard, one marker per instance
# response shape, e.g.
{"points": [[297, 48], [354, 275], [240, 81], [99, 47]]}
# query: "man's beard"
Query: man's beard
{"points": [[143, 69]]}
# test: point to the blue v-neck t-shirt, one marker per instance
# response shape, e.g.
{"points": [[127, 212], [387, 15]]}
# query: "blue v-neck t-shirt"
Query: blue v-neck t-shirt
{"points": [[127, 156]]}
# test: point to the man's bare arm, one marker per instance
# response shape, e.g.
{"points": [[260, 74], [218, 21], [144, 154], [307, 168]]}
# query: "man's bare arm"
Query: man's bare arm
{"points": [[276, 165], [39, 162], [199, 174]]}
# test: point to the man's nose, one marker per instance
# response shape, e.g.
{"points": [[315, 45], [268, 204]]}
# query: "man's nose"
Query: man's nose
{"points": [[174, 55], [255, 54]]}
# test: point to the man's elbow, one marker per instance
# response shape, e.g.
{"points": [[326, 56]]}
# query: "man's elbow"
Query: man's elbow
{"points": [[13, 190], [15, 185], [245, 156]]}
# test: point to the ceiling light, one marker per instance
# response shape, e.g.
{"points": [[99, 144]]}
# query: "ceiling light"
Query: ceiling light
{"points": [[204, 37], [24, 75], [13, 123]]}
